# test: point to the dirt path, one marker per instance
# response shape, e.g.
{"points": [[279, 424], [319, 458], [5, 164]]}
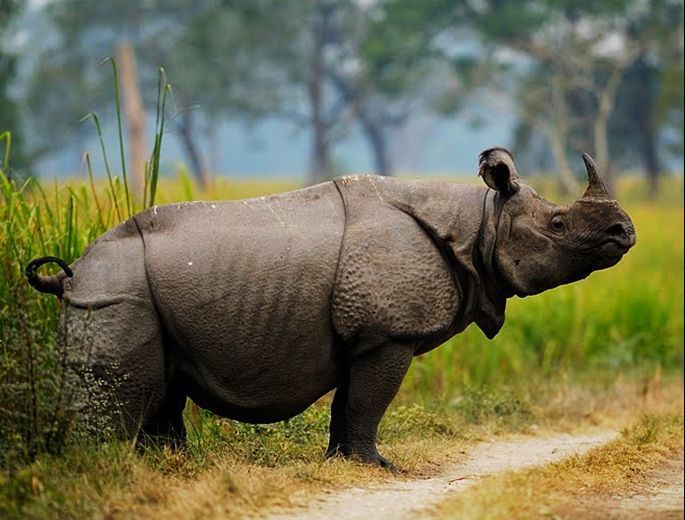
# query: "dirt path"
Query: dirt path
{"points": [[406, 499], [659, 496]]}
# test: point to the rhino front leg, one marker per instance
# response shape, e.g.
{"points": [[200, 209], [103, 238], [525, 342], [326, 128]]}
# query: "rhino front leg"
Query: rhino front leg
{"points": [[374, 379]]}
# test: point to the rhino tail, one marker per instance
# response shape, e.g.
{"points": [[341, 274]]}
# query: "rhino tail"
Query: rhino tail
{"points": [[51, 283]]}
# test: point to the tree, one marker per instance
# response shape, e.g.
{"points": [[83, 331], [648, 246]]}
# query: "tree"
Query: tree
{"points": [[66, 84], [574, 73], [653, 90], [9, 110], [228, 63], [336, 62], [134, 111], [325, 65], [595, 57], [566, 61], [378, 72], [372, 73], [224, 58]]}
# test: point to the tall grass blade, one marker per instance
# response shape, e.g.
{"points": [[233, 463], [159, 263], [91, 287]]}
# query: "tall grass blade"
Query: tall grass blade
{"points": [[146, 181], [121, 134], [163, 88], [114, 192], [69, 227], [7, 137], [93, 191]]}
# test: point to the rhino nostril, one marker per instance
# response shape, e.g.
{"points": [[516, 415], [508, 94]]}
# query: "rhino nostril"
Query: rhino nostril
{"points": [[617, 230]]}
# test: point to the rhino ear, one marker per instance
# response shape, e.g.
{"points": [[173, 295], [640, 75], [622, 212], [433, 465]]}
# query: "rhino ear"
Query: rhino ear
{"points": [[496, 166]]}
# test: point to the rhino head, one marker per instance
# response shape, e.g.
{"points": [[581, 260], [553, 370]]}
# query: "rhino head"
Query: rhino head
{"points": [[541, 245]]}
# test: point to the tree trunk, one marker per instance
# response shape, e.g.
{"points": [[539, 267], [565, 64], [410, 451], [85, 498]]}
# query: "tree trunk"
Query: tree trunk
{"points": [[377, 142], [600, 129], [196, 162], [320, 166], [557, 134], [652, 164], [373, 130], [214, 142], [606, 98], [134, 113], [557, 143], [643, 108], [601, 139]]}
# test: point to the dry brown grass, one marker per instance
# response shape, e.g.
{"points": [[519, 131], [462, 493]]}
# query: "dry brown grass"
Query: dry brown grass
{"points": [[572, 406], [558, 490], [233, 489], [234, 477]]}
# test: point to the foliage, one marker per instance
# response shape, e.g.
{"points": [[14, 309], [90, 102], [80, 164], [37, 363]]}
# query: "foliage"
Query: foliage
{"points": [[626, 319], [9, 108], [569, 71], [35, 221], [371, 73], [558, 65], [191, 41]]}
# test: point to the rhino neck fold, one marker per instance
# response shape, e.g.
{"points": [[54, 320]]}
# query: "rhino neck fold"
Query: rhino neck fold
{"points": [[463, 220], [494, 290]]}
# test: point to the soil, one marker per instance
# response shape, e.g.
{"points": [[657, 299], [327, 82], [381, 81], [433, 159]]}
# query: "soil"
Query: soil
{"points": [[658, 496], [414, 498]]}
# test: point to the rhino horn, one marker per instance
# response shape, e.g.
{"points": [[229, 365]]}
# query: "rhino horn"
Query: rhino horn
{"points": [[595, 187]]}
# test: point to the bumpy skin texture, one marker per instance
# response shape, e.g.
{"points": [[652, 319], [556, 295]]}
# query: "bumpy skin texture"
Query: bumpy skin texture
{"points": [[244, 292], [255, 309]]}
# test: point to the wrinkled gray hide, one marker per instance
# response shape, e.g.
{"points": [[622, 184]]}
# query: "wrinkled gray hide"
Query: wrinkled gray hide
{"points": [[256, 308]]}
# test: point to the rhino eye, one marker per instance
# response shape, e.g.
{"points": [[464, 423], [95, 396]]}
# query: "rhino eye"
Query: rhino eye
{"points": [[558, 224]]}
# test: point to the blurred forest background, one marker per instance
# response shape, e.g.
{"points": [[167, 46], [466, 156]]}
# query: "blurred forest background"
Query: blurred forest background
{"points": [[310, 88], [269, 94]]}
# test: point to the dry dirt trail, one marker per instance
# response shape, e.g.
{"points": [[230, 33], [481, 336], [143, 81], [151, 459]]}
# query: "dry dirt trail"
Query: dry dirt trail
{"points": [[410, 498], [660, 497]]}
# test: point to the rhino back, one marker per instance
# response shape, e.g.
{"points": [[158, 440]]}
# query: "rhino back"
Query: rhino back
{"points": [[244, 288]]}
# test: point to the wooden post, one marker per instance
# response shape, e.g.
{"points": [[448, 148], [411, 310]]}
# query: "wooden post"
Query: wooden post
{"points": [[134, 113]]}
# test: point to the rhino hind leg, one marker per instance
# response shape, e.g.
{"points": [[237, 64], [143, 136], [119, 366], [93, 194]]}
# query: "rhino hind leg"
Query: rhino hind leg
{"points": [[337, 442], [360, 402], [164, 426], [121, 373]]}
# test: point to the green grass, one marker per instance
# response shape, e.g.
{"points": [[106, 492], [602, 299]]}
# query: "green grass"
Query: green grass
{"points": [[60, 220], [622, 324], [628, 318], [596, 347]]}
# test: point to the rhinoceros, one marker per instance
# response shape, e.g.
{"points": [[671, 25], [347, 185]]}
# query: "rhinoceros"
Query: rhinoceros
{"points": [[256, 308]]}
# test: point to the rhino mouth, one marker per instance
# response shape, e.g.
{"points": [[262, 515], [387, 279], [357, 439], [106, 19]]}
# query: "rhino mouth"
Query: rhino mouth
{"points": [[619, 238], [617, 247]]}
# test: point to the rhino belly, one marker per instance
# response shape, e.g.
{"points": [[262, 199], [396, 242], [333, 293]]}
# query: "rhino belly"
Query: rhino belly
{"points": [[244, 290]]}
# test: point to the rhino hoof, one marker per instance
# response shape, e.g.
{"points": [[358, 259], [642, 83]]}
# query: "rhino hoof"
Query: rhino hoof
{"points": [[386, 464], [373, 459]]}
